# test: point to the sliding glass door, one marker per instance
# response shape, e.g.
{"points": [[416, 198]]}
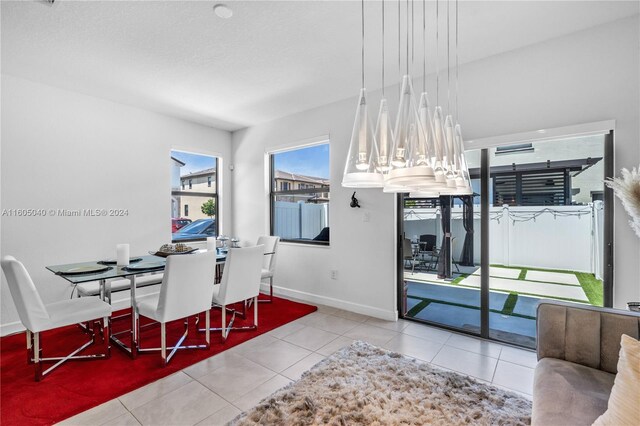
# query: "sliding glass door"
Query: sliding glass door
{"points": [[546, 235]]}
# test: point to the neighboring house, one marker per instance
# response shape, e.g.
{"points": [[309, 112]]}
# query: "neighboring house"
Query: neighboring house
{"points": [[201, 184], [286, 181], [562, 172], [176, 165]]}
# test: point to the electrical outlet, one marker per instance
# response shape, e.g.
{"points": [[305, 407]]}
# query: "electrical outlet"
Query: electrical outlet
{"points": [[366, 217], [334, 274]]}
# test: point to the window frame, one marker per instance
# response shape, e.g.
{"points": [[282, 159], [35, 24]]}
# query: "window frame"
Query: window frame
{"points": [[274, 193], [215, 196]]}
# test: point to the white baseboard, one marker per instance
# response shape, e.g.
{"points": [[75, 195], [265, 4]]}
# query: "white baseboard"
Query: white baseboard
{"points": [[334, 303], [15, 327], [11, 328]]}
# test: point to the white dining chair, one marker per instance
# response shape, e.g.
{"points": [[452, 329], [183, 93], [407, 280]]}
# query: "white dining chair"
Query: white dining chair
{"points": [[38, 317], [240, 283], [186, 290], [269, 262]]}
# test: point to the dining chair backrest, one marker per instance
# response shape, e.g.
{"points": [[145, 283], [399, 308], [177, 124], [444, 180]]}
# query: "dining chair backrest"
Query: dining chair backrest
{"points": [[187, 285], [31, 309], [270, 246], [428, 242], [241, 274]]}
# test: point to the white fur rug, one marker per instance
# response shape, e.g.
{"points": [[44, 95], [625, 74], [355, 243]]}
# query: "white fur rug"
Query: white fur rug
{"points": [[365, 385]]}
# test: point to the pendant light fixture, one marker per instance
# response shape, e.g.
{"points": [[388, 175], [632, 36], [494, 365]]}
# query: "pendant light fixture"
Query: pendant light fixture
{"points": [[411, 156], [424, 154], [360, 169], [384, 131]]}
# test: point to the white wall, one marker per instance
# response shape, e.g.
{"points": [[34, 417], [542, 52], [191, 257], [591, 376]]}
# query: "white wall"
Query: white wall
{"points": [[584, 77], [361, 252], [61, 149]]}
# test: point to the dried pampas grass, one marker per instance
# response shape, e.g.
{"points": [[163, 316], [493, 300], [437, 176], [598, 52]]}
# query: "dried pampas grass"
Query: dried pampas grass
{"points": [[627, 188]]}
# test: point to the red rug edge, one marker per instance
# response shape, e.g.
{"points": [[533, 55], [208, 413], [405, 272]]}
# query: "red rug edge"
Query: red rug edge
{"points": [[160, 373]]}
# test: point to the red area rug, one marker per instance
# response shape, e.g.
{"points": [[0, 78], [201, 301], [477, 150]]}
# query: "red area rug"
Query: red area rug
{"points": [[78, 385]]}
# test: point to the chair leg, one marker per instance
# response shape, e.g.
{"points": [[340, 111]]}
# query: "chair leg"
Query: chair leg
{"points": [[207, 325], [105, 337], [29, 347], [224, 323], [36, 357], [255, 311], [163, 343], [270, 299]]}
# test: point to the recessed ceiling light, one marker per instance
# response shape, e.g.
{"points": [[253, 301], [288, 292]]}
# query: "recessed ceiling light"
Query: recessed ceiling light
{"points": [[223, 11]]}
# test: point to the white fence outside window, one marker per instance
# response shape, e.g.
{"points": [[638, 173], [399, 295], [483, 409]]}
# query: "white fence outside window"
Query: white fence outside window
{"points": [[294, 221]]}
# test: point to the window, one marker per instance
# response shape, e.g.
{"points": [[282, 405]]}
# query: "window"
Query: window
{"points": [[302, 214], [194, 184]]}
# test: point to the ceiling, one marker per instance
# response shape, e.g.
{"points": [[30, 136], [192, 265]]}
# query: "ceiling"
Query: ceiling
{"points": [[271, 59]]}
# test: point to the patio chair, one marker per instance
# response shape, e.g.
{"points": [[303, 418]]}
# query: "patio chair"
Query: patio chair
{"points": [[428, 251], [407, 253]]}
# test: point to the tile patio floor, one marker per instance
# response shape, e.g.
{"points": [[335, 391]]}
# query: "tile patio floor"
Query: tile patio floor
{"points": [[215, 390], [540, 283]]}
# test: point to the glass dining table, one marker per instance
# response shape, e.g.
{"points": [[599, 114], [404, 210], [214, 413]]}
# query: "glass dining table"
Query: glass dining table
{"points": [[103, 272]]}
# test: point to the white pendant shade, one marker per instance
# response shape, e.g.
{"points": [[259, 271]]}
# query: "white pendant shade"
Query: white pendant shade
{"points": [[384, 138], [464, 179], [427, 120], [411, 157], [441, 164], [360, 170]]}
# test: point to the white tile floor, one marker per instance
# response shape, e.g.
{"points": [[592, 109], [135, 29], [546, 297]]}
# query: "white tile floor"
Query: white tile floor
{"points": [[217, 389]]}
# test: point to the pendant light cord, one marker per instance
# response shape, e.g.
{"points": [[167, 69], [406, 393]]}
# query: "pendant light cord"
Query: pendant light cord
{"points": [[424, 47], [383, 49], [457, 61], [413, 50], [437, 52], [407, 37], [362, 8], [448, 62], [399, 44]]}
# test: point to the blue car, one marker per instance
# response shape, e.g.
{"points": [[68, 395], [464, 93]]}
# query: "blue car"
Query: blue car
{"points": [[201, 228]]}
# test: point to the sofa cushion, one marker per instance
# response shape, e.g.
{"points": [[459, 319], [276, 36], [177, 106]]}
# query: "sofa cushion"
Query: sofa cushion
{"points": [[569, 394], [624, 402]]}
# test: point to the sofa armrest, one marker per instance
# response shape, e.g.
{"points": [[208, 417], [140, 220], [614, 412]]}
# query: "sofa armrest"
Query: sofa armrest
{"points": [[583, 334]]}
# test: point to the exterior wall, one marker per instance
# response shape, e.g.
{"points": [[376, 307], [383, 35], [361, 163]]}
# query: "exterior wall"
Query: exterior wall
{"points": [[199, 183], [195, 207]]}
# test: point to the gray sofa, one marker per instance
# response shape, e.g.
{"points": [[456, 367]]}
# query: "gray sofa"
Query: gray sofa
{"points": [[578, 350]]}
